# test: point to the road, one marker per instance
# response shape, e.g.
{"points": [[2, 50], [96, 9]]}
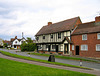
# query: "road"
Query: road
{"points": [[72, 62]]}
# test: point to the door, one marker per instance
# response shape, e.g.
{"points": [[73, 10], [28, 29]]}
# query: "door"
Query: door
{"points": [[66, 50], [56, 48], [48, 48], [77, 50]]}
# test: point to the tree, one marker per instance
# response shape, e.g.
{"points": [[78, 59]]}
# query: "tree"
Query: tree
{"points": [[5, 44], [29, 46]]}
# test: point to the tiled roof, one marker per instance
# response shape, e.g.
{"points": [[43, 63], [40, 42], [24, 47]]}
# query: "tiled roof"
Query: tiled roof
{"points": [[12, 39], [8, 42], [86, 28], [58, 27]]}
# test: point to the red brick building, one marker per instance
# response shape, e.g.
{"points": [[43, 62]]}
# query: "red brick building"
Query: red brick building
{"points": [[86, 39]]}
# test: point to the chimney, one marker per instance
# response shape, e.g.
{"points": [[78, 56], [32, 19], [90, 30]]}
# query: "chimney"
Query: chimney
{"points": [[15, 37], [97, 19], [49, 23]]}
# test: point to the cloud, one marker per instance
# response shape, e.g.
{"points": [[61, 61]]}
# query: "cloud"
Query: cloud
{"points": [[28, 16]]}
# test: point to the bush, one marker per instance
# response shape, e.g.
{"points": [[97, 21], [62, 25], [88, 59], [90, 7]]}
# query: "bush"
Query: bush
{"points": [[30, 46]]}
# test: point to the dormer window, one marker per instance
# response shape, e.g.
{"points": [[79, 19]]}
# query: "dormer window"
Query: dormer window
{"points": [[84, 37], [15, 41], [59, 35], [43, 37], [51, 36]]}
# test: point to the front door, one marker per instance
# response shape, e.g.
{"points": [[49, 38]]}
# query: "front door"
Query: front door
{"points": [[48, 48], [77, 50], [66, 50], [56, 48]]}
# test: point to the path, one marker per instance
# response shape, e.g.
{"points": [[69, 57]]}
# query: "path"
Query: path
{"points": [[95, 72]]}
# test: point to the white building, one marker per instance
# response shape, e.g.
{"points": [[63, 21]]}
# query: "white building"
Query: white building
{"points": [[17, 42], [1, 42]]}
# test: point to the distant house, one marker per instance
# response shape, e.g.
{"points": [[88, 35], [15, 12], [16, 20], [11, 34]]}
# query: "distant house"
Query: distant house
{"points": [[17, 42], [9, 44], [1, 42], [86, 39], [56, 38]]}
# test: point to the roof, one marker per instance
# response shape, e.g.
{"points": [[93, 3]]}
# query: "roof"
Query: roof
{"points": [[58, 27], [8, 42], [66, 38], [86, 28], [12, 39]]}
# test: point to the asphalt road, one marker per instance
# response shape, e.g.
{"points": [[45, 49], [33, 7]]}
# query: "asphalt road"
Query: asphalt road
{"points": [[72, 62]]}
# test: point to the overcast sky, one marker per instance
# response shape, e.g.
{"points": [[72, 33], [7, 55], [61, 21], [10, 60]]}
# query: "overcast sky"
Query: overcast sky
{"points": [[28, 16]]}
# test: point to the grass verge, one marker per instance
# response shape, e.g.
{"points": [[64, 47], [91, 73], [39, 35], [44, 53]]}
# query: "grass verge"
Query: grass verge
{"points": [[39, 60], [63, 57], [14, 68]]}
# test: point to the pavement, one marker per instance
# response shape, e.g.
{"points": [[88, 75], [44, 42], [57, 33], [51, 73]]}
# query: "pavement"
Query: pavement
{"points": [[95, 72], [92, 65]]}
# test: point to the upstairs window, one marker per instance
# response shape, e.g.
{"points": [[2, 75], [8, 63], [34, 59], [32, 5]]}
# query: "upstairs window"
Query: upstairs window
{"points": [[84, 37], [43, 37], [59, 35], [15, 41], [98, 47], [84, 47], [37, 38], [51, 36], [98, 36]]}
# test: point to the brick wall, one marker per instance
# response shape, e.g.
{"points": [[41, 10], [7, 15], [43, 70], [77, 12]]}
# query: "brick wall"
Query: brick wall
{"points": [[91, 42]]}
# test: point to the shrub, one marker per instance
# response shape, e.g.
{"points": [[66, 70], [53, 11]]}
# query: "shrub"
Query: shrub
{"points": [[29, 46]]}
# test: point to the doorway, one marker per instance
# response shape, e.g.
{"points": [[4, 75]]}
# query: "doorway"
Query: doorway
{"points": [[66, 50], [48, 48], [77, 50], [56, 48]]}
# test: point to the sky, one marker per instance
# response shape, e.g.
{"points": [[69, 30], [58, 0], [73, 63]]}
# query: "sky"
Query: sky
{"points": [[29, 16]]}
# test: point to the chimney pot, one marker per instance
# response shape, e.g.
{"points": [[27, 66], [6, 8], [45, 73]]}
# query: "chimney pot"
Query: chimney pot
{"points": [[15, 37], [49, 23], [97, 19]]}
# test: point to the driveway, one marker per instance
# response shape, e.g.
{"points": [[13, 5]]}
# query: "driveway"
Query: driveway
{"points": [[72, 62]]}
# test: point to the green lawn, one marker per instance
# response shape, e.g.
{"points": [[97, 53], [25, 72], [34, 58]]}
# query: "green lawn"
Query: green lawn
{"points": [[62, 57], [14, 68], [39, 60]]}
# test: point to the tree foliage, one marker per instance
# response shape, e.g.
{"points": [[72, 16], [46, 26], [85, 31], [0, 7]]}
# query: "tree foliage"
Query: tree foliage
{"points": [[29, 46]]}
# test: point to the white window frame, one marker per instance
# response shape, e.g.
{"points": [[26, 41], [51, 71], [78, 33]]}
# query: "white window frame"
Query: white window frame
{"points": [[97, 47], [98, 36], [72, 47], [83, 37], [84, 47]]}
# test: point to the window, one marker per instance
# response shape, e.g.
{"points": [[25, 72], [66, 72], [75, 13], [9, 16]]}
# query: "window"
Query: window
{"points": [[46, 46], [43, 37], [59, 35], [98, 36], [72, 47], [37, 38], [98, 47], [53, 46], [84, 47], [15, 41], [84, 37], [39, 47], [51, 36]]}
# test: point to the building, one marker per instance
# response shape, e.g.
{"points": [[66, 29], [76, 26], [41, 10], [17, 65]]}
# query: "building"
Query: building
{"points": [[86, 39], [1, 42], [56, 38], [17, 42], [9, 44]]}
